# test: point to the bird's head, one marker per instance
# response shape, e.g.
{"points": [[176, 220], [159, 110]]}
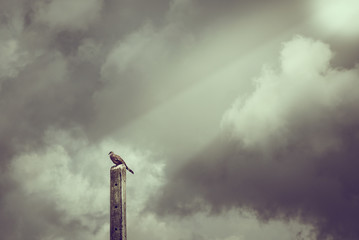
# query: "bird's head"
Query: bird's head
{"points": [[110, 153]]}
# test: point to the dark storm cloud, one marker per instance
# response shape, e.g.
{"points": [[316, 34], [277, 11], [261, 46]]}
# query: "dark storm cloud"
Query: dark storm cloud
{"points": [[288, 151], [89, 68]]}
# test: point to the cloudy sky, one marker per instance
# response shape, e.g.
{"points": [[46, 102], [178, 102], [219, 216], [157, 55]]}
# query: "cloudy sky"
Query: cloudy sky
{"points": [[239, 118]]}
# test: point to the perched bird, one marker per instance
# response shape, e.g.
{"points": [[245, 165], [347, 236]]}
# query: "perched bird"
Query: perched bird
{"points": [[116, 159]]}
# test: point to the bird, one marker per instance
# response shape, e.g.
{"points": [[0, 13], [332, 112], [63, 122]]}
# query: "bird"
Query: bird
{"points": [[116, 159]]}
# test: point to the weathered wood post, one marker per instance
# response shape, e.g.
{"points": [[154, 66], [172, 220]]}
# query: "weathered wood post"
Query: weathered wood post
{"points": [[118, 203]]}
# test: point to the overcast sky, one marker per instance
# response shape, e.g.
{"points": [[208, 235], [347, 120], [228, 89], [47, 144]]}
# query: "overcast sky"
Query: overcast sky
{"points": [[239, 118]]}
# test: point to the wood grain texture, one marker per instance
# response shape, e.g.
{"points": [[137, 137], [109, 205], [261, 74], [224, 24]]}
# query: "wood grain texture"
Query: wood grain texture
{"points": [[118, 203]]}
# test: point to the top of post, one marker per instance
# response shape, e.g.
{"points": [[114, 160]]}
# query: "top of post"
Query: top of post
{"points": [[118, 167]]}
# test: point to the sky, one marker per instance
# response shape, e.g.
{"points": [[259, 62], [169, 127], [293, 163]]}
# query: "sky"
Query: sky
{"points": [[239, 118]]}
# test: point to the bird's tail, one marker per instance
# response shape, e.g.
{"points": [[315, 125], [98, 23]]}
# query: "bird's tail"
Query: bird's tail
{"points": [[130, 170]]}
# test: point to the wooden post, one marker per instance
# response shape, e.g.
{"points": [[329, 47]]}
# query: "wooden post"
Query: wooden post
{"points": [[118, 203]]}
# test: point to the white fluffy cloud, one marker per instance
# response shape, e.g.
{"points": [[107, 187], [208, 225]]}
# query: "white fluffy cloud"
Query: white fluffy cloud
{"points": [[73, 176], [50, 173], [304, 88]]}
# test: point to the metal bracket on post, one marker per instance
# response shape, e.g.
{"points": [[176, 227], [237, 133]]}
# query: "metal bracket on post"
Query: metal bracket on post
{"points": [[118, 203]]}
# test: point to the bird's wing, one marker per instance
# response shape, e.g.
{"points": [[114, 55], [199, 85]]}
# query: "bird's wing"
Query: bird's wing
{"points": [[118, 158]]}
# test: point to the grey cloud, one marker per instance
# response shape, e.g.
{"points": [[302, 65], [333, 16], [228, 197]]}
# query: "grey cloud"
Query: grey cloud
{"points": [[157, 75], [152, 65], [288, 150], [10, 63], [79, 14]]}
